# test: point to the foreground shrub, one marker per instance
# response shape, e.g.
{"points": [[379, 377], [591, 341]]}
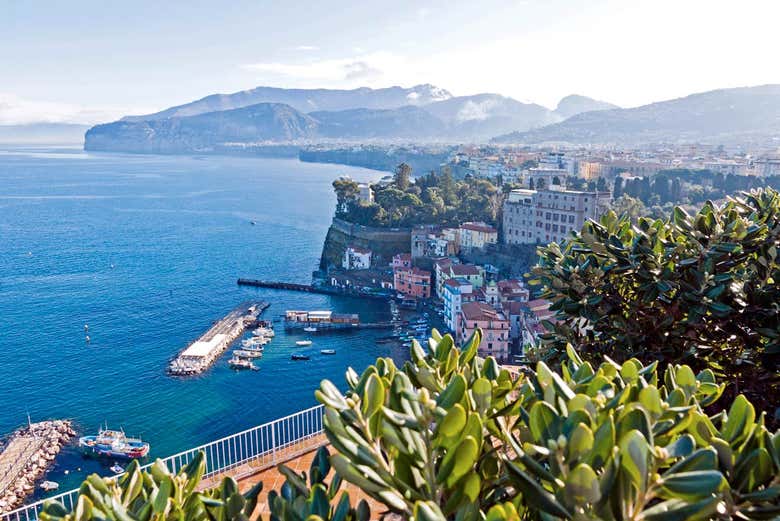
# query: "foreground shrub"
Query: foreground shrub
{"points": [[452, 436], [699, 289], [157, 494]]}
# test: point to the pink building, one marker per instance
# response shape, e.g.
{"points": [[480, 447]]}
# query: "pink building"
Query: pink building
{"points": [[412, 281], [494, 325], [402, 260]]}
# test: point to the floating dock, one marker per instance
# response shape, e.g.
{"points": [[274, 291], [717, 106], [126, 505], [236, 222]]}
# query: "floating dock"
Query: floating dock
{"points": [[199, 355], [308, 288], [27, 456]]}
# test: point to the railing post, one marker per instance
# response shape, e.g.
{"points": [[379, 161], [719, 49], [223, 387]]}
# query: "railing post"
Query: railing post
{"points": [[273, 443]]}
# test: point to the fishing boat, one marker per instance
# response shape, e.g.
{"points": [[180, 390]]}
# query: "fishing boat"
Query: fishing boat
{"points": [[49, 485], [248, 353], [241, 363], [303, 343], [310, 329], [300, 357], [113, 444], [116, 468], [328, 351]]}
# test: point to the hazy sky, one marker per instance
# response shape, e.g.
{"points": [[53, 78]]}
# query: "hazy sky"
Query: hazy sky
{"points": [[95, 60]]}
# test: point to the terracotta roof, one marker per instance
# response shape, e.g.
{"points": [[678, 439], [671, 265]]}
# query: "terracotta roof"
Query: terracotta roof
{"points": [[480, 311], [460, 270], [539, 303], [403, 256], [478, 227]]}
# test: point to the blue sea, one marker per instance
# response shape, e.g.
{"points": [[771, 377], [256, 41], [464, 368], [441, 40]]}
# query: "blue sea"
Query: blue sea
{"points": [[146, 250]]}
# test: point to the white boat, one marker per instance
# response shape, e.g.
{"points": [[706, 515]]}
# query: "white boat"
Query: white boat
{"points": [[116, 468], [240, 363], [328, 351], [303, 343], [264, 331], [256, 342], [248, 353], [310, 329], [49, 485]]}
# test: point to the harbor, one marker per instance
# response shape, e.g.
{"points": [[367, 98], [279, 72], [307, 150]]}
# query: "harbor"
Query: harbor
{"points": [[199, 355], [27, 455], [315, 321]]}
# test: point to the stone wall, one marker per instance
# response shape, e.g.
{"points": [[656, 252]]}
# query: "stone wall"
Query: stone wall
{"points": [[383, 242]]}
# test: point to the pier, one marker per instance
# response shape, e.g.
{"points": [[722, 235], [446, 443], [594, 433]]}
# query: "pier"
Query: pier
{"points": [[308, 288], [199, 355], [26, 457]]}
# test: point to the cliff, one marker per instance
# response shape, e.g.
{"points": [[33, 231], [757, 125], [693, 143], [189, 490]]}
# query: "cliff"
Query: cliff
{"points": [[383, 242]]}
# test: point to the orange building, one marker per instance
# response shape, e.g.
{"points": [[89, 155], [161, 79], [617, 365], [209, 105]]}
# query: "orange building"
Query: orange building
{"points": [[494, 325], [412, 282]]}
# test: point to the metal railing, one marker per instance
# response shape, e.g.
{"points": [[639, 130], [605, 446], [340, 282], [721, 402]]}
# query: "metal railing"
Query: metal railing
{"points": [[261, 446]]}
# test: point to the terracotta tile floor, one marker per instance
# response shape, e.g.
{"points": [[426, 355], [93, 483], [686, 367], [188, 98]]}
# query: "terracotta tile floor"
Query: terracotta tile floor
{"points": [[298, 457]]}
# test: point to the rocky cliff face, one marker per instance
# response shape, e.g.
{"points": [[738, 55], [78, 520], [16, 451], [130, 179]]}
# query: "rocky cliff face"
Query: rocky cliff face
{"points": [[383, 242]]}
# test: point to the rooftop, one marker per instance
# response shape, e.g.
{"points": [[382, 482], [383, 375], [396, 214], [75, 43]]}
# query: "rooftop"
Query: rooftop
{"points": [[462, 270], [481, 311], [478, 227]]}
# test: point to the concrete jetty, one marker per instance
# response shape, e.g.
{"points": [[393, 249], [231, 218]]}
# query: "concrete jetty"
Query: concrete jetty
{"points": [[199, 355], [308, 288], [26, 456]]}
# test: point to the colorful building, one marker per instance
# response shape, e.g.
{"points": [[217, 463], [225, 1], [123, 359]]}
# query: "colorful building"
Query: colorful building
{"points": [[476, 235], [412, 282], [494, 326], [455, 293], [402, 260]]}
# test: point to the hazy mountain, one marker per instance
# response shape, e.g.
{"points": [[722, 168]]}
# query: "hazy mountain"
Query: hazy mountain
{"points": [[203, 132], [306, 100], [43, 133], [741, 115], [404, 122], [575, 104], [485, 115]]}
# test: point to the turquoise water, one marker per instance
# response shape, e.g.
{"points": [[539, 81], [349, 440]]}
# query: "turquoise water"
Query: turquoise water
{"points": [[147, 250]]}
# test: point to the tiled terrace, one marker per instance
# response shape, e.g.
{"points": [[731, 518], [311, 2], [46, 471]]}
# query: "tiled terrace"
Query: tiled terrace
{"points": [[298, 457]]}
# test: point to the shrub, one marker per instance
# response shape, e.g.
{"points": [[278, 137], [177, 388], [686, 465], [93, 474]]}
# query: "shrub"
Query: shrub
{"points": [[702, 290], [452, 436], [157, 494]]}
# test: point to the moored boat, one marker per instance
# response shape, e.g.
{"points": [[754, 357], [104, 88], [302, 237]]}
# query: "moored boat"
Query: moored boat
{"points": [[328, 351], [114, 444], [300, 357], [49, 485], [310, 329], [303, 343], [248, 353], [241, 363]]}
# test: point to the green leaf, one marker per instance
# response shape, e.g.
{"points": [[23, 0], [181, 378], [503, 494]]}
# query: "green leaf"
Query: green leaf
{"points": [[373, 396], [453, 393], [454, 422], [635, 455], [582, 486], [535, 494], [740, 418], [692, 486], [543, 422]]}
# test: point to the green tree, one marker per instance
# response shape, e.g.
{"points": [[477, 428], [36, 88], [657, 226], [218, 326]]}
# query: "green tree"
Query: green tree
{"points": [[617, 190], [601, 184], [346, 191], [403, 176], [698, 289], [629, 206]]}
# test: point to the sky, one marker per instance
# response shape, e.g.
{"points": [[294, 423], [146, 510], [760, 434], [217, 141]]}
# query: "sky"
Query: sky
{"points": [[91, 61]]}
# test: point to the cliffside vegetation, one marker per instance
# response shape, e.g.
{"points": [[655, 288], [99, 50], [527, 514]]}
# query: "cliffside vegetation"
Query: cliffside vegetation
{"points": [[435, 198]]}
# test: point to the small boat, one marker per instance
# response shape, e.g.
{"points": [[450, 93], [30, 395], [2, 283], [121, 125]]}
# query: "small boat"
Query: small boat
{"points": [[248, 353], [310, 329], [252, 223], [114, 444], [256, 342], [49, 485], [300, 357], [328, 351], [116, 468], [240, 363], [303, 343], [264, 332]]}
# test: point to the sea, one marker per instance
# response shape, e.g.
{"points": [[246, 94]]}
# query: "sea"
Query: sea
{"points": [[146, 250]]}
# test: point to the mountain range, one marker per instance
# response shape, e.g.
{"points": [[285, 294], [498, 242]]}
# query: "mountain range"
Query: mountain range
{"points": [[425, 113], [745, 115], [422, 112]]}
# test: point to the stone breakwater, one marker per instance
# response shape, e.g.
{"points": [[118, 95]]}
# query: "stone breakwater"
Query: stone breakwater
{"points": [[26, 456]]}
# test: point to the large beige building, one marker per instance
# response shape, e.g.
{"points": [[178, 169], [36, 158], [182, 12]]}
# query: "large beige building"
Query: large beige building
{"points": [[543, 216]]}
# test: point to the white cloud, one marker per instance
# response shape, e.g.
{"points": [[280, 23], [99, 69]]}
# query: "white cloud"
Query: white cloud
{"points": [[306, 48], [359, 70], [15, 110]]}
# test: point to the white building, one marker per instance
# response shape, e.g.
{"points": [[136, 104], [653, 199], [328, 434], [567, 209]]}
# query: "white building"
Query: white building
{"points": [[543, 216], [356, 258], [365, 193]]}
